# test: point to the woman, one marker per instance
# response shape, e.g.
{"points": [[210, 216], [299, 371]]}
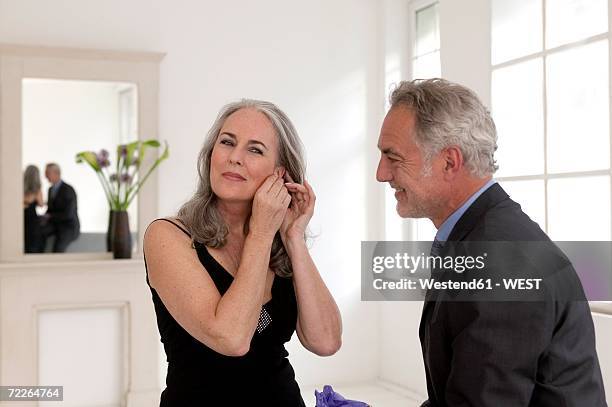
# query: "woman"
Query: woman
{"points": [[231, 276], [32, 197]]}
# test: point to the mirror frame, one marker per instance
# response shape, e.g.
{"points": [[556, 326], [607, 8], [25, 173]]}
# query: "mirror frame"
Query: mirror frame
{"points": [[25, 61]]}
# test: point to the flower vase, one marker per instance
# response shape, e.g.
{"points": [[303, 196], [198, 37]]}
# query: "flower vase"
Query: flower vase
{"points": [[120, 235], [109, 232]]}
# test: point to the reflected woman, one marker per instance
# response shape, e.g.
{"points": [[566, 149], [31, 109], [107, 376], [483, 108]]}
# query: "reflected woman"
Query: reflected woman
{"points": [[32, 197], [231, 276]]}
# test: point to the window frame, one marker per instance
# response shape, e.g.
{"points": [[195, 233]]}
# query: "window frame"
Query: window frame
{"points": [[416, 6], [544, 53]]}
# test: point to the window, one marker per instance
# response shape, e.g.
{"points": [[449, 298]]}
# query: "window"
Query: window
{"points": [[550, 101], [426, 60], [425, 63]]}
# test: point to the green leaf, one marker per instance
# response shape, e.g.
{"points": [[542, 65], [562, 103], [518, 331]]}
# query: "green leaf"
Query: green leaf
{"points": [[151, 143], [130, 152], [90, 158], [143, 146], [134, 190], [165, 154]]}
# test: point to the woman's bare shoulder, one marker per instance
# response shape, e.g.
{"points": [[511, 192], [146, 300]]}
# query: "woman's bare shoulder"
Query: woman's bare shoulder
{"points": [[166, 227], [163, 241]]}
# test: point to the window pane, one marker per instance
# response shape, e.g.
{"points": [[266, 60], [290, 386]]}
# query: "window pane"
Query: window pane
{"points": [[572, 20], [516, 29], [427, 66], [579, 208], [577, 97], [519, 117], [427, 32], [530, 195]]}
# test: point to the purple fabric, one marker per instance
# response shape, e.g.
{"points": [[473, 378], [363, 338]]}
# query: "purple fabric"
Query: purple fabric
{"points": [[329, 398]]}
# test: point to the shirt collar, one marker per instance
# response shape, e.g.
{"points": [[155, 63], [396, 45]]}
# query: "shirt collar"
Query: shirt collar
{"points": [[447, 226]]}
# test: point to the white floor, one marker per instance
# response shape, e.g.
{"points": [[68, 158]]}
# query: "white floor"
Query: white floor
{"points": [[376, 394]]}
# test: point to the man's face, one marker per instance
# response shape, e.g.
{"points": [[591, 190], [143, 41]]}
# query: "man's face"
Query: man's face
{"points": [[402, 166], [51, 175]]}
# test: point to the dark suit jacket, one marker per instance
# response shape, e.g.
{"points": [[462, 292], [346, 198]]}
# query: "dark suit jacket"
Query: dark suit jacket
{"points": [[498, 354], [63, 210]]}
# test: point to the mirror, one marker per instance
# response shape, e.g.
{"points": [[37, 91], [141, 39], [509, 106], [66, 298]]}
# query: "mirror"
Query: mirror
{"points": [[61, 118]]}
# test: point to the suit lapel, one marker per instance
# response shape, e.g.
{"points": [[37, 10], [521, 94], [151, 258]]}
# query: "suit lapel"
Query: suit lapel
{"points": [[488, 199]]}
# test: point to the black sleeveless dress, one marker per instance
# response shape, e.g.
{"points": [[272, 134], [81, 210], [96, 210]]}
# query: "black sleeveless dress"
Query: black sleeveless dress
{"points": [[33, 241], [199, 376]]}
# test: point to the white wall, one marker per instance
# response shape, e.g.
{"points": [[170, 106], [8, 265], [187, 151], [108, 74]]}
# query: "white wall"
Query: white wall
{"points": [[465, 44], [318, 60]]}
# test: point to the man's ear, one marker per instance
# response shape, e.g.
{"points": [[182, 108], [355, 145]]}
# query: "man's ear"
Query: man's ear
{"points": [[453, 161]]}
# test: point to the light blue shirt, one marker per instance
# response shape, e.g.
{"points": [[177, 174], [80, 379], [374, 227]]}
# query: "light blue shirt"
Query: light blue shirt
{"points": [[447, 227], [54, 188]]}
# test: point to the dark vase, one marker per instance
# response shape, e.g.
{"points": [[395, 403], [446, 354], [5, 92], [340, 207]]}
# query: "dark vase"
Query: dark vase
{"points": [[120, 235], [109, 232]]}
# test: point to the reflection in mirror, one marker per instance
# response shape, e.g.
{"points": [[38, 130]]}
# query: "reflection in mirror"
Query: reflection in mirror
{"points": [[65, 209]]}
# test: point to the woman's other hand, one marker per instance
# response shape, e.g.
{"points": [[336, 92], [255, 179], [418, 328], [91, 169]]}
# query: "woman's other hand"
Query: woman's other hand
{"points": [[299, 212], [270, 205]]}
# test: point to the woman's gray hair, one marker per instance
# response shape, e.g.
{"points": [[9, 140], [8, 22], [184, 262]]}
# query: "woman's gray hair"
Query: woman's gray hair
{"points": [[31, 180], [449, 114], [200, 214]]}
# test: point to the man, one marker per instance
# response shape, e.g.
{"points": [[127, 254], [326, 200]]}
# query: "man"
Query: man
{"points": [[61, 219], [437, 144]]}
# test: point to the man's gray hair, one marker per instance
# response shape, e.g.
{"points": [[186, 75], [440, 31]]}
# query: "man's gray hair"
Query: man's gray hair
{"points": [[54, 167], [448, 114]]}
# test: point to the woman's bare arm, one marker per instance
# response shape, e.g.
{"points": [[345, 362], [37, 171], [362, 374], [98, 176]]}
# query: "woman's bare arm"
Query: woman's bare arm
{"points": [[319, 325], [224, 323]]}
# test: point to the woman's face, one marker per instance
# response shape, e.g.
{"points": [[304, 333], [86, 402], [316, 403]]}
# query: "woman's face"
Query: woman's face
{"points": [[244, 155]]}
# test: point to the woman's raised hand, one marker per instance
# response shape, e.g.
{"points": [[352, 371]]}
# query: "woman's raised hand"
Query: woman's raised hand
{"points": [[270, 205], [299, 213]]}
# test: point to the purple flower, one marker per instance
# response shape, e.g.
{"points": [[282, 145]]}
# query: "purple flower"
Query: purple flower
{"points": [[123, 150], [126, 178], [102, 158]]}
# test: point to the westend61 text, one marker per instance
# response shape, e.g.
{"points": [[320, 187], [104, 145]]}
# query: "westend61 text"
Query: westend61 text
{"points": [[476, 284]]}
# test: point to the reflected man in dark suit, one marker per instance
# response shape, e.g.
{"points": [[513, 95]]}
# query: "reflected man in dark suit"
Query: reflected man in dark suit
{"points": [[437, 147], [61, 219]]}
